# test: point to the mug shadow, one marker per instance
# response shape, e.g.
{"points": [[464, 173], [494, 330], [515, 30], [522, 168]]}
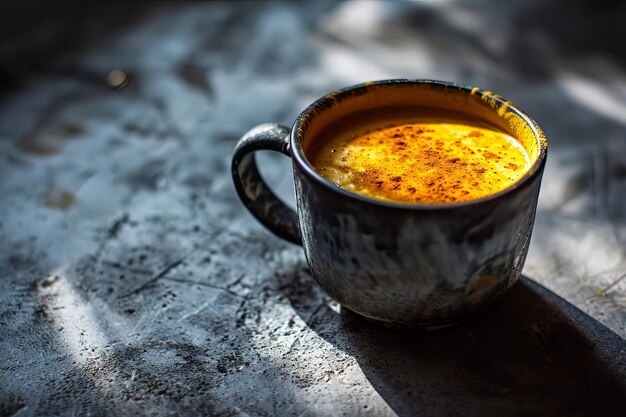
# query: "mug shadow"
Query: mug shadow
{"points": [[530, 353]]}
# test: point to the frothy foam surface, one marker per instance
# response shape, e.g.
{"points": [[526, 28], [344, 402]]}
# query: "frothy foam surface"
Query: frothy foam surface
{"points": [[425, 160]]}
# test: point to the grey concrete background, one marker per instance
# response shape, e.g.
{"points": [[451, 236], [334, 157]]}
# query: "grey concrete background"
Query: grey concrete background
{"points": [[132, 281]]}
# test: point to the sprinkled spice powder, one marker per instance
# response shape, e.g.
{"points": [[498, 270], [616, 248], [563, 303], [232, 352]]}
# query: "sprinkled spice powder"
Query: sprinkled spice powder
{"points": [[436, 161]]}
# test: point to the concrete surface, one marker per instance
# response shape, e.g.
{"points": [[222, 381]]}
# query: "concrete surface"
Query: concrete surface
{"points": [[134, 282]]}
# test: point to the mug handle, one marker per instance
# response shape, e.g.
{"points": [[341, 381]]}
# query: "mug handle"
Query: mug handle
{"points": [[253, 192]]}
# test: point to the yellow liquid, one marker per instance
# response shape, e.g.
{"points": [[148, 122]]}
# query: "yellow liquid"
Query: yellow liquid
{"points": [[422, 160]]}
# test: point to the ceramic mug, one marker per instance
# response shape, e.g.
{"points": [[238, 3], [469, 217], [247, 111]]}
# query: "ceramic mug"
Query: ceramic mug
{"points": [[412, 264]]}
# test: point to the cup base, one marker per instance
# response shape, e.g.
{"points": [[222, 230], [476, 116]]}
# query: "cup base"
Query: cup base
{"points": [[400, 326]]}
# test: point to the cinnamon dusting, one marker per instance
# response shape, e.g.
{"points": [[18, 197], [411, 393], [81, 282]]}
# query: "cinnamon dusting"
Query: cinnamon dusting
{"points": [[433, 162]]}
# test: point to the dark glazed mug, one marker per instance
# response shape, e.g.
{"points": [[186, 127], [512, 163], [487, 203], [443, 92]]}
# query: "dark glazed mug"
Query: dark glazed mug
{"points": [[415, 264]]}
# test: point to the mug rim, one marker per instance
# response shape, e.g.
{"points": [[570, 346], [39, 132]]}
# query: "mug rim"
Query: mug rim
{"points": [[496, 102]]}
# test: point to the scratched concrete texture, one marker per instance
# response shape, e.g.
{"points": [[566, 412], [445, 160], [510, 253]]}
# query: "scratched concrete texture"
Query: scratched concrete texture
{"points": [[132, 280]]}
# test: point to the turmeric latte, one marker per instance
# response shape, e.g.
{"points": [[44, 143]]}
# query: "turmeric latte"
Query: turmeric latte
{"points": [[419, 158]]}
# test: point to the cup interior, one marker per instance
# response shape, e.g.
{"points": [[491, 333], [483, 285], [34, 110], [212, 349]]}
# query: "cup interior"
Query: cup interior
{"points": [[482, 106]]}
